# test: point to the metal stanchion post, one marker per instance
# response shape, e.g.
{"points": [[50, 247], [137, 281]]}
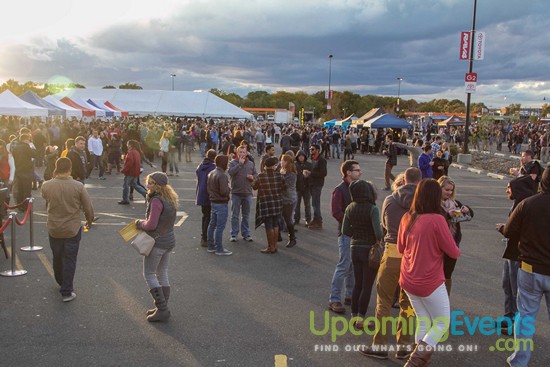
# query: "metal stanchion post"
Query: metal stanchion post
{"points": [[32, 247], [13, 272]]}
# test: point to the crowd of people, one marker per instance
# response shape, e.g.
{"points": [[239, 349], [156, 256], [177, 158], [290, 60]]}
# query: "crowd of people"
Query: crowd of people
{"points": [[419, 222]]}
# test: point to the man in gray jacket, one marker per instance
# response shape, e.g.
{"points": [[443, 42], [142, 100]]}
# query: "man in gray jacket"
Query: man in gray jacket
{"points": [[393, 209], [242, 172]]}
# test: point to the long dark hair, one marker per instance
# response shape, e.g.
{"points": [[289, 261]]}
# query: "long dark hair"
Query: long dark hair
{"points": [[427, 199]]}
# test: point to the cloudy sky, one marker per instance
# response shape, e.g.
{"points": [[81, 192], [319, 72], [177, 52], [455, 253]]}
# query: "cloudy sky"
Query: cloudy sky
{"points": [[246, 45]]}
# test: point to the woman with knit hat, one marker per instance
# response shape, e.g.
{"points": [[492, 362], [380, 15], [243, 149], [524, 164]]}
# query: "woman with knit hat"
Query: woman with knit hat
{"points": [[162, 205]]}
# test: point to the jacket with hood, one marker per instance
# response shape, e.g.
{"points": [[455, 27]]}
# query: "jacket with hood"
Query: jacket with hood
{"points": [[362, 217], [393, 209], [301, 181], [202, 172], [522, 188]]}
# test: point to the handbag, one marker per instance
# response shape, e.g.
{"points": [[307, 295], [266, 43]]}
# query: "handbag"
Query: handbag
{"points": [[144, 243], [375, 255]]}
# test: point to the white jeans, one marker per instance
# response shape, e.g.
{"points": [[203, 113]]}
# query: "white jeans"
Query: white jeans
{"points": [[432, 315]]}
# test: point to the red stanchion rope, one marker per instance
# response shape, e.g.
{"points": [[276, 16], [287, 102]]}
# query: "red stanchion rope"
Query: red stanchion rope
{"points": [[15, 206], [8, 221], [27, 215]]}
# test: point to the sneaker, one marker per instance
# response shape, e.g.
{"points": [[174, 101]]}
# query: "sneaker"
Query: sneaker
{"points": [[70, 297], [122, 202], [102, 178], [337, 307], [225, 252], [248, 239], [211, 251], [233, 239], [370, 352]]}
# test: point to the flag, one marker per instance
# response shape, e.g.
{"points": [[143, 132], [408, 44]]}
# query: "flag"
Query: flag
{"points": [[291, 108]]}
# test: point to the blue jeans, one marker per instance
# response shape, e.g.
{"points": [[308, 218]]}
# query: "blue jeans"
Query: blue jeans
{"points": [[218, 219], [531, 288], [510, 287], [155, 268], [202, 147], [315, 192], [336, 148], [131, 181], [65, 251], [172, 164], [240, 204], [343, 274]]}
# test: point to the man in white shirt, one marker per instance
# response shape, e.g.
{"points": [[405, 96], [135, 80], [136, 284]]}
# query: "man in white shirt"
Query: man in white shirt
{"points": [[95, 147]]}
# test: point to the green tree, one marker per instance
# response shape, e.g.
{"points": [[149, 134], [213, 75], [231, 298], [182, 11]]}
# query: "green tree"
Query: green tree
{"points": [[109, 87], [129, 86]]}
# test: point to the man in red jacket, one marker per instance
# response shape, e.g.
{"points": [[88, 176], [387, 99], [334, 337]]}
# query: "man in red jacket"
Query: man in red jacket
{"points": [[131, 171]]}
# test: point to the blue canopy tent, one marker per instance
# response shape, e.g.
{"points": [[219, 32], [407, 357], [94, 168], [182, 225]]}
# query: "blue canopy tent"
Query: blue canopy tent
{"points": [[34, 99], [387, 121], [330, 123], [108, 113]]}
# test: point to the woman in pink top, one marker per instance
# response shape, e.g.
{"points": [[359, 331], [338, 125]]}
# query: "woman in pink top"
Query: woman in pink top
{"points": [[423, 239]]}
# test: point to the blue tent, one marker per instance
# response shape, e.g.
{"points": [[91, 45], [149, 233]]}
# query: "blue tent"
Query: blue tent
{"points": [[387, 121], [330, 123], [108, 113], [34, 99]]}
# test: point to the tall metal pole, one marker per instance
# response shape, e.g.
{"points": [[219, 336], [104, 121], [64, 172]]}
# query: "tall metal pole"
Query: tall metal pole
{"points": [[468, 95], [329, 76], [398, 92], [172, 76]]}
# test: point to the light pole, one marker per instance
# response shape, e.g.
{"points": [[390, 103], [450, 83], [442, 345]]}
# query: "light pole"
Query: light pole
{"points": [[329, 76], [398, 92], [343, 109], [172, 76], [313, 118]]}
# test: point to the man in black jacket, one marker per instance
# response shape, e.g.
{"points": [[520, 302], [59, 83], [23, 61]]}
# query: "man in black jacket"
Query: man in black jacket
{"points": [[79, 159], [316, 181], [23, 155], [529, 223]]}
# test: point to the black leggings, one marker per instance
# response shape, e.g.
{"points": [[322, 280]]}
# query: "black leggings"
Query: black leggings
{"points": [[448, 266], [364, 279]]}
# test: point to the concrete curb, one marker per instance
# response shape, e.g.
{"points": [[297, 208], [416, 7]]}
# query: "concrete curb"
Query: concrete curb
{"points": [[495, 175], [475, 170], [459, 166]]}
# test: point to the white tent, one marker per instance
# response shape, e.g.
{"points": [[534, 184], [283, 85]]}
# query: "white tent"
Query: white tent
{"points": [[69, 111], [159, 102], [12, 105]]}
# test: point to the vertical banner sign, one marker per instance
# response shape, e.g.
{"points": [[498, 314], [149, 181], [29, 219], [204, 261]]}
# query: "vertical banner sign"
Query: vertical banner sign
{"points": [[302, 120], [465, 40], [470, 81], [479, 46]]}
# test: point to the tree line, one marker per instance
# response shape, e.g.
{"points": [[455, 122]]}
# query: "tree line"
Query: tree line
{"points": [[342, 103]]}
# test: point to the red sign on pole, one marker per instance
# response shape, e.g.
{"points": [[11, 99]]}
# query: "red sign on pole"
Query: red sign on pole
{"points": [[465, 39], [471, 78]]}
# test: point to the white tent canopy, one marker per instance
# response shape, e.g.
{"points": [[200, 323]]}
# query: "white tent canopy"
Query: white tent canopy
{"points": [[160, 102], [12, 105], [69, 111]]}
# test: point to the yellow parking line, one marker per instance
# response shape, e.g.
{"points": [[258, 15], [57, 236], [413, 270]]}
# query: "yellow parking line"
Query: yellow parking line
{"points": [[280, 360], [47, 265]]}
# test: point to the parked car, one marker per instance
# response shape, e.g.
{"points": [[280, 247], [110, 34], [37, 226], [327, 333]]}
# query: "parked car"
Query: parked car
{"points": [[270, 118]]}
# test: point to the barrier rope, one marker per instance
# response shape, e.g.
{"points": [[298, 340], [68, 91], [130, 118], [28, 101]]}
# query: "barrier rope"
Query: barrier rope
{"points": [[17, 205], [27, 214], [2, 236]]}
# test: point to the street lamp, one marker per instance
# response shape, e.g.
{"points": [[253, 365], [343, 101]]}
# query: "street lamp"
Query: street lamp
{"points": [[398, 92], [172, 76], [329, 76], [343, 109]]}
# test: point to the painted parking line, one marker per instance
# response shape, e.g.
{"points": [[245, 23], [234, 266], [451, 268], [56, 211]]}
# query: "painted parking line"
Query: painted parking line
{"points": [[280, 360]]}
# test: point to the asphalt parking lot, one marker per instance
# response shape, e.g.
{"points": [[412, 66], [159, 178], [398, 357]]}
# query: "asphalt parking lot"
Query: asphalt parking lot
{"points": [[248, 309]]}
